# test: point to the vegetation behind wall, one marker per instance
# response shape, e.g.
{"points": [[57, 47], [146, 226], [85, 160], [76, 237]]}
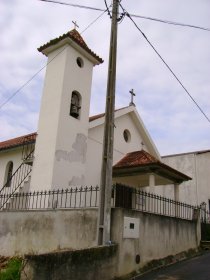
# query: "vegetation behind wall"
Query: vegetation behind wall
{"points": [[10, 268]]}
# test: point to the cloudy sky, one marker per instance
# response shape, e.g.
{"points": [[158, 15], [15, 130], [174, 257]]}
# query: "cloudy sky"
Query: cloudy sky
{"points": [[172, 119]]}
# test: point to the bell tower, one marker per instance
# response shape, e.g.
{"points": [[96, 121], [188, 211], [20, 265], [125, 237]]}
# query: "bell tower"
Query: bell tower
{"points": [[61, 145]]}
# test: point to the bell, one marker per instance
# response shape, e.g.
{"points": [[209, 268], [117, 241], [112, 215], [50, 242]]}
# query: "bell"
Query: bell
{"points": [[74, 112]]}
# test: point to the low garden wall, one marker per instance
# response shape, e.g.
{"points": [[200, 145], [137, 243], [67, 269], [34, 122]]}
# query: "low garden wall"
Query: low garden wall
{"points": [[141, 237], [36, 232], [145, 237], [88, 264]]}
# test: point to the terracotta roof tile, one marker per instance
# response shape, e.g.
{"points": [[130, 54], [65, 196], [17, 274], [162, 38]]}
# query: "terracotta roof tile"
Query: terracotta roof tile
{"points": [[18, 141], [136, 158], [142, 159], [77, 38], [95, 117]]}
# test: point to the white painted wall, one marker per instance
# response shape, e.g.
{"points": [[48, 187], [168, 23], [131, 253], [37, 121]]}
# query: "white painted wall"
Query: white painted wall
{"points": [[121, 148], [61, 146], [197, 166], [203, 177]]}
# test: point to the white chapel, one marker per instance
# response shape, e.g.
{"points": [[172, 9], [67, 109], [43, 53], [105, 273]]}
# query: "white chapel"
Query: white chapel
{"points": [[66, 151]]}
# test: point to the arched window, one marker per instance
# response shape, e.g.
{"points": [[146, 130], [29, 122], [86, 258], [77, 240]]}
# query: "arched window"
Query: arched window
{"points": [[75, 104], [8, 174]]}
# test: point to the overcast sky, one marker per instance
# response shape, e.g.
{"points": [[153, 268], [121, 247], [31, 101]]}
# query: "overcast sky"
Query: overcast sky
{"points": [[172, 119]]}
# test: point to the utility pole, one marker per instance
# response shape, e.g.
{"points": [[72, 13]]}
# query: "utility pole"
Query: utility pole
{"points": [[104, 221]]}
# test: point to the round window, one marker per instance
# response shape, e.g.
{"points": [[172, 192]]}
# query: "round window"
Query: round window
{"points": [[127, 135], [80, 62]]}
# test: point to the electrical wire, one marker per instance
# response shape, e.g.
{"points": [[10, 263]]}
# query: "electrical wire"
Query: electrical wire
{"points": [[27, 82], [129, 15], [171, 22], [169, 68], [73, 5], [93, 21], [107, 8], [132, 15], [101, 143]]}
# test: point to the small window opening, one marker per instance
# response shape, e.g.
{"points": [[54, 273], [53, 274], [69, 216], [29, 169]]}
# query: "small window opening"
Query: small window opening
{"points": [[127, 135], [80, 62], [75, 105]]}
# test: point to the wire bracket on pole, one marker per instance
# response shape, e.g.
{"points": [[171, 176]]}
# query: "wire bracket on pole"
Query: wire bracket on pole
{"points": [[121, 16]]}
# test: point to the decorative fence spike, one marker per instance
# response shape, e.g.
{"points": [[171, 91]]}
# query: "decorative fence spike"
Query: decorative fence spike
{"points": [[88, 197]]}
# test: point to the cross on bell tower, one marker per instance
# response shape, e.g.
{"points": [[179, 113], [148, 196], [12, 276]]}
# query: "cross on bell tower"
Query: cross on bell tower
{"points": [[132, 95], [75, 24]]}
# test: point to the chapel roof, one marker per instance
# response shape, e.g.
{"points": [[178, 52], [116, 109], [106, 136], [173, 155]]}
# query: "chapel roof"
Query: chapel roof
{"points": [[74, 36], [135, 159], [95, 117], [141, 161], [18, 141]]}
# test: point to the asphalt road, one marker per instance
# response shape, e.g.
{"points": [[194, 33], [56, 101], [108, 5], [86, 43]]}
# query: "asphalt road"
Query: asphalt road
{"points": [[197, 268]]}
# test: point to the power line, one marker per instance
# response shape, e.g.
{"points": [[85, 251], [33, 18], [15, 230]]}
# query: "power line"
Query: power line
{"points": [[169, 68], [132, 15], [73, 5], [98, 9], [171, 22], [96, 141], [26, 83], [94, 21]]}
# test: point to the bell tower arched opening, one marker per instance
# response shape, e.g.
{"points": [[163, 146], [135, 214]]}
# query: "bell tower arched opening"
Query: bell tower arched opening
{"points": [[75, 107]]}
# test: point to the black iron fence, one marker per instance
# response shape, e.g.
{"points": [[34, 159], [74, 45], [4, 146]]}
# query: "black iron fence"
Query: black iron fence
{"points": [[85, 197], [70, 198], [15, 182], [131, 198], [205, 216]]}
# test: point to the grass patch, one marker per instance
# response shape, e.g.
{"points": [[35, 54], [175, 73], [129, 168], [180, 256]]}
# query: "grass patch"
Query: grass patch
{"points": [[12, 270]]}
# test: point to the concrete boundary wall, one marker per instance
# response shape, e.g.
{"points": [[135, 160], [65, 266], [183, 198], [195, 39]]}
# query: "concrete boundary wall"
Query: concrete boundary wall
{"points": [[37, 232], [88, 264], [157, 237], [141, 237]]}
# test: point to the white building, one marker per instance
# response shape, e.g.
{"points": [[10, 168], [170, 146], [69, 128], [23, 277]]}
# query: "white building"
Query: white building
{"points": [[68, 144], [196, 165]]}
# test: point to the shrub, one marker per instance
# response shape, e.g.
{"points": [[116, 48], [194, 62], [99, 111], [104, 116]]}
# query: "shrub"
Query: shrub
{"points": [[12, 270]]}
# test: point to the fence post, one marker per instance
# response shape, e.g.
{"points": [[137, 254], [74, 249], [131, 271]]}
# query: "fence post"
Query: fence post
{"points": [[176, 198], [197, 219]]}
